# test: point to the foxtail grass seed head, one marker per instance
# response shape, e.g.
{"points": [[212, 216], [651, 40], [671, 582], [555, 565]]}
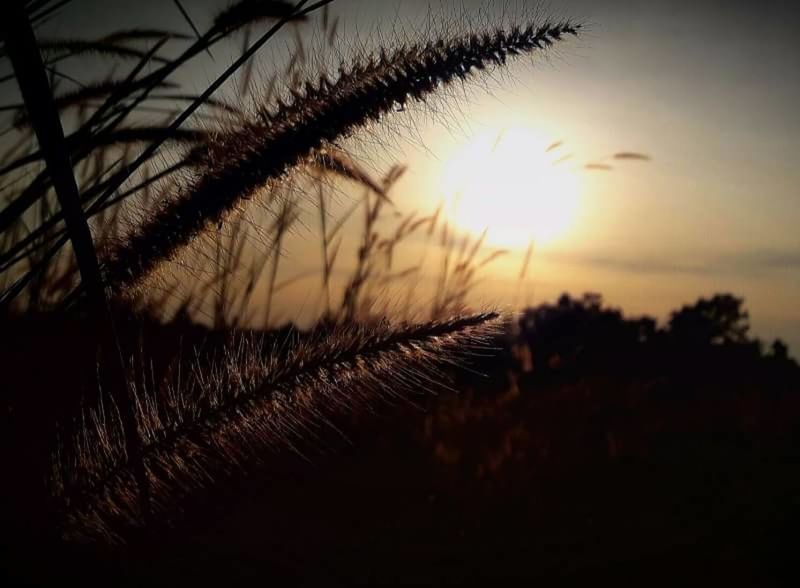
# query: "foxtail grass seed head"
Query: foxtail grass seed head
{"points": [[230, 410], [246, 159]]}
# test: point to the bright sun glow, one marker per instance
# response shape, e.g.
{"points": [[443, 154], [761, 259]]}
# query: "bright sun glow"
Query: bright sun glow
{"points": [[508, 182]]}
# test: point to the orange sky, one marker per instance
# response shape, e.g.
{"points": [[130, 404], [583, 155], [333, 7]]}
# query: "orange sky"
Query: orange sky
{"points": [[717, 207], [711, 95]]}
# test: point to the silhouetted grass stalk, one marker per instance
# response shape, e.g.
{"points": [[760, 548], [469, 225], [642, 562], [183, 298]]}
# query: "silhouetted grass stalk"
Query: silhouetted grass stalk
{"points": [[224, 414], [247, 159], [21, 45]]}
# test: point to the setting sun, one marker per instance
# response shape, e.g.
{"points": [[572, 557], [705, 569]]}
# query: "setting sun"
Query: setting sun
{"points": [[510, 182]]}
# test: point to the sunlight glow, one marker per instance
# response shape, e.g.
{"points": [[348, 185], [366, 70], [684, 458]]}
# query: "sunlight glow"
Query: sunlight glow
{"points": [[510, 182]]}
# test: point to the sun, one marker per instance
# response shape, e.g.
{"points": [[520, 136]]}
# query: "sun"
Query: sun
{"points": [[510, 183]]}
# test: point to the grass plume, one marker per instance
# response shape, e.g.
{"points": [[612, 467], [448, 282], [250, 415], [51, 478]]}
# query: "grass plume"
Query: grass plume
{"points": [[246, 159], [221, 418], [247, 12]]}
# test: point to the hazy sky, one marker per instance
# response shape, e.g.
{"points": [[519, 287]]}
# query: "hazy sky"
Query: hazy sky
{"points": [[708, 89]]}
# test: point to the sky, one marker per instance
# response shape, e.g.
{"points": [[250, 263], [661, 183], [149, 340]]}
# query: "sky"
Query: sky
{"points": [[707, 89]]}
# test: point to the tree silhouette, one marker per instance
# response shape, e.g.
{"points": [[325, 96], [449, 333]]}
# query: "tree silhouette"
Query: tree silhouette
{"points": [[581, 333], [581, 330], [720, 319], [779, 350]]}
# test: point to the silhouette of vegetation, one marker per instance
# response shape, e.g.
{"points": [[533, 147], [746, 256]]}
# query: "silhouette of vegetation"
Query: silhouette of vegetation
{"points": [[616, 443], [701, 342], [718, 320], [129, 447], [144, 425]]}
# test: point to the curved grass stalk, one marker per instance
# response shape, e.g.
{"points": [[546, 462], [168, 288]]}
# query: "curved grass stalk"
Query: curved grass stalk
{"points": [[229, 413], [246, 159]]}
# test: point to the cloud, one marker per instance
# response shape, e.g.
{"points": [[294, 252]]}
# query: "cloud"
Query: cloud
{"points": [[627, 264], [746, 262], [766, 259]]}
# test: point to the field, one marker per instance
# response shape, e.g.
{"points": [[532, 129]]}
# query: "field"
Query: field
{"points": [[174, 410], [593, 470]]}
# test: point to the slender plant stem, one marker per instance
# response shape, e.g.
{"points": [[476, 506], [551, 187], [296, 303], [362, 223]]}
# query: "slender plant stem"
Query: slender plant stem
{"points": [[35, 89], [32, 79]]}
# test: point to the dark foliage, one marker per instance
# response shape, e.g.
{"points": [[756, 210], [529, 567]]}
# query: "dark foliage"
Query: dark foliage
{"points": [[609, 464], [709, 336]]}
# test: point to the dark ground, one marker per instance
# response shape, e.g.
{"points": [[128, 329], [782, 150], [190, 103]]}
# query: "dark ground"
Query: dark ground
{"points": [[655, 463], [394, 507]]}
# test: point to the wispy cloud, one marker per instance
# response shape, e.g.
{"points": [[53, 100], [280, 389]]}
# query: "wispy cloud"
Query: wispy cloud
{"points": [[765, 260], [642, 265], [745, 262]]}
